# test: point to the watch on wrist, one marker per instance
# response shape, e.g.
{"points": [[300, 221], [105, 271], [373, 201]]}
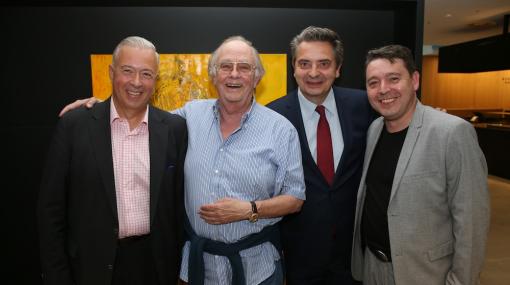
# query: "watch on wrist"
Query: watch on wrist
{"points": [[254, 216]]}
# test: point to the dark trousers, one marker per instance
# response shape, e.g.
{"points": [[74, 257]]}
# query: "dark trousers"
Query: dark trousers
{"points": [[134, 263]]}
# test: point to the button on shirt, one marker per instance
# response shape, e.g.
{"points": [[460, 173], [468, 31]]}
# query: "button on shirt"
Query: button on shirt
{"points": [[131, 166], [259, 160], [311, 119]]}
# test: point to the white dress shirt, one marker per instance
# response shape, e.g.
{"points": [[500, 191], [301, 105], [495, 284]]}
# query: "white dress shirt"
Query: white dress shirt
{"points": [[311, 119]]}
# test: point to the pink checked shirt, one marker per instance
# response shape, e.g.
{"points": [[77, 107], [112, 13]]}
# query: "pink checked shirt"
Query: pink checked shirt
{"points": [[131, 166]]}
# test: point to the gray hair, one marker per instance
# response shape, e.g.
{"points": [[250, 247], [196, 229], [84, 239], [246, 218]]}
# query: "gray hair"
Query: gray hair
{"points": [[136, 42], [213, 60], [318, 34]]}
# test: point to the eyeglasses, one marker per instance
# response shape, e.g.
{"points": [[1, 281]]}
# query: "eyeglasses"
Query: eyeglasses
{"points": [[130, 72], [241, 67]]}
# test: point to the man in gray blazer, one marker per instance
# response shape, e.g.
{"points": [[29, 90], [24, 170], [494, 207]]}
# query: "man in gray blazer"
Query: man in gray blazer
{"points": [[422, 214]]}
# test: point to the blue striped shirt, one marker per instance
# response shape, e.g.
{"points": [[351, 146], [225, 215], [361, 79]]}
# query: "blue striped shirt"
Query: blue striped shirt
{"points": [[259, 160]]}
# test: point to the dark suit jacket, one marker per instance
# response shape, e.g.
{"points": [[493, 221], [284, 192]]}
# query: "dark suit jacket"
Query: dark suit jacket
{"points": [[77, 210], [319, 237]]}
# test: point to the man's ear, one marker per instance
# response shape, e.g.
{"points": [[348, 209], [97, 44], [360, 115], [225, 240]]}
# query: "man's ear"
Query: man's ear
{"points": [[110, 71], [337, 72], [256, 81], [416, 80]]}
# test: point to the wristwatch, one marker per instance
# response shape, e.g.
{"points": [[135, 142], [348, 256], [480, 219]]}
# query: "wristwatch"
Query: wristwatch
{"points": [[254, 213]]}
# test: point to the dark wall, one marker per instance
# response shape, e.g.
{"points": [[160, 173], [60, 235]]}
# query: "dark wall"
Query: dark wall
{"points": [[494, 142], [482, 55], [48, 66]]}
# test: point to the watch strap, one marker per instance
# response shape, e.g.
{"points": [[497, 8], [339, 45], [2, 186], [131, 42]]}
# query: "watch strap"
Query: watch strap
{"points": [[253, 207]]}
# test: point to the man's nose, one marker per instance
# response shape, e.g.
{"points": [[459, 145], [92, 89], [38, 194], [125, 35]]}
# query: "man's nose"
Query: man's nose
{"points": [[384, 87], [314, 72], [136, 81]]}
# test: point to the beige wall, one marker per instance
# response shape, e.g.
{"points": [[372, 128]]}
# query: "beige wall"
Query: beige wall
{"points": [[483, 90]]}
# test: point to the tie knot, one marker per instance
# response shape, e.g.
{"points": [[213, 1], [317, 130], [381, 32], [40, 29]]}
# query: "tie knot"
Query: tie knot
{"points": [[321, 110]]}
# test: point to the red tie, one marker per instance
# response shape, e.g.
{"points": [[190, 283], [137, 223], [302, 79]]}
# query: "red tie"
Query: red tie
{"points": [[324, 146]]}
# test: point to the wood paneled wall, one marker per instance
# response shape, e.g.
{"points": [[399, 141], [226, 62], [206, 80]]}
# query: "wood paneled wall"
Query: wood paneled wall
{"points": [[483, 90]]}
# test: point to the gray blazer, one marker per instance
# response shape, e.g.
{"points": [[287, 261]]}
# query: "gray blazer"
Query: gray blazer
{"points": [[438, 214]]}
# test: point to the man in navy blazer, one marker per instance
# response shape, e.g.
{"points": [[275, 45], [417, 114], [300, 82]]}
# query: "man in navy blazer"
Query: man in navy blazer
{"points": [[317, 241]]}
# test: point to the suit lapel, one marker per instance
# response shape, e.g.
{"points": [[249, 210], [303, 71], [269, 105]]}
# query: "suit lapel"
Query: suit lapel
{"points": [[157, 148], [344, 116], [295, 117], [101, 141], [413, 133], [372, 139]]}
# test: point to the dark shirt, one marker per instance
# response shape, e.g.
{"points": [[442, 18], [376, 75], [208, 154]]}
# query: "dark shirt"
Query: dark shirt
{"points": [[379, 181]]}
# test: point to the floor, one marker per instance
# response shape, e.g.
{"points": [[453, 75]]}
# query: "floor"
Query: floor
{"points": [[496, 270]]}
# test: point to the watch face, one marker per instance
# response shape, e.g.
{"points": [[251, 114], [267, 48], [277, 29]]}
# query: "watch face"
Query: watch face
{"points": [[254, 217]]}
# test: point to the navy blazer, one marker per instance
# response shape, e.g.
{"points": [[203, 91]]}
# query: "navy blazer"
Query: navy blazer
{"points": [[320, 235], [77, 206]]}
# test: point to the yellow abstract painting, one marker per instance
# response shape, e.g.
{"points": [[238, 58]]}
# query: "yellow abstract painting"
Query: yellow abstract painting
{"points": [[183, 77]]}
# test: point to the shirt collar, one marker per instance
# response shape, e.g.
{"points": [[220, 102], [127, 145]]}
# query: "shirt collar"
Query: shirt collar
{"points": [[216, 110], [308, 107], [114, 115]]}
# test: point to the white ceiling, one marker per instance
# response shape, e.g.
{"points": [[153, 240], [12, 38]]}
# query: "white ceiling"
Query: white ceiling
{"points": [[449, 22]]}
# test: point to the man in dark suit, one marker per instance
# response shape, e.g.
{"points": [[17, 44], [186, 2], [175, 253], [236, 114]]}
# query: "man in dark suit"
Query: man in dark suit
{"points": [[317, 241], [111, 199]]}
